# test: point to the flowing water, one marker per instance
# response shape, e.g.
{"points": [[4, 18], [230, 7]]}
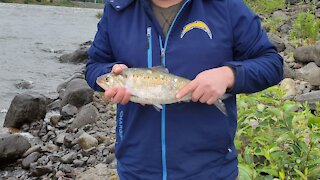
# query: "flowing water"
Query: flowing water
{"points": [[32, 37]]}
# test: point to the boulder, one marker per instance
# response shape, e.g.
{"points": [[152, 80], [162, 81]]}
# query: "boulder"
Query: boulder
{"points": [[288, 72], [68, 111], [87, 115], [311, 98], [99, 172], [12, 147], [26, 108], [277, 41], [310, 73], [308, 54], [87, 141], [79, 56], [77, 93], [289, 87], [280, 15]]}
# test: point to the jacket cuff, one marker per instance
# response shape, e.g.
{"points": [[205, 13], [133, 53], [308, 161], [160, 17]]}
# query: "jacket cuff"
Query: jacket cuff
{"points": [[239, 76]]}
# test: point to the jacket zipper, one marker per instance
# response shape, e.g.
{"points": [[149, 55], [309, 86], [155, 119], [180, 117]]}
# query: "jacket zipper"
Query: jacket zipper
{"points": [[163, 112]]}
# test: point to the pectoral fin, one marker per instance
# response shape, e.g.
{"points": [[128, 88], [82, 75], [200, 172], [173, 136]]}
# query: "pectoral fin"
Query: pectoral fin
{"points": [[158, 107]]}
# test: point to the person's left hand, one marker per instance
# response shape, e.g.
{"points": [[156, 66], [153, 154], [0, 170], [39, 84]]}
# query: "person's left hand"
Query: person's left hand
{"points": [[209, 85]]}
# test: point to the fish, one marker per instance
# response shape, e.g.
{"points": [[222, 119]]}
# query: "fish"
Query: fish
{"points": [[154, 86]]}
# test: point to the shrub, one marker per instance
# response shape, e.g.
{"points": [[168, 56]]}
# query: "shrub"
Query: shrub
{"points": [[305, 29], [277, 138], [265, 6]]}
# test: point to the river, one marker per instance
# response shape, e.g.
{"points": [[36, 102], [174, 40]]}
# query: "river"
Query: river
{"points": [[32, 37]]}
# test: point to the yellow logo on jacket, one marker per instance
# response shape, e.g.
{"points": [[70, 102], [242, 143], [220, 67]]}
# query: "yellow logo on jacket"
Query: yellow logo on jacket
{"points": [[198, 25]]}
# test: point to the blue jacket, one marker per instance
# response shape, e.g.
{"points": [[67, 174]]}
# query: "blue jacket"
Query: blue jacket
{"points": [[185, 141]]}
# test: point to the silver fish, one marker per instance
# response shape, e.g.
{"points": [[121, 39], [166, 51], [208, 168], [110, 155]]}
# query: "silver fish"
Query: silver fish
{"points": [[154, 86]]}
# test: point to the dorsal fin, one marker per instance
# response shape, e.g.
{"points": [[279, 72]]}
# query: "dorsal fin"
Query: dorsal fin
{"points": [[160, 68]]}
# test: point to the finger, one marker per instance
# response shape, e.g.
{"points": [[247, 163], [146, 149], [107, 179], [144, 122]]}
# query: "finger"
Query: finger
{"points": [[212, 100], [126, 98], [199, 92], [118, 68], [110, 93], [204, 98], [119, 96], [189, 88]]}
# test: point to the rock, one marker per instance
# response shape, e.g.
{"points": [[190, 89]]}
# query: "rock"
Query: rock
{"points": [[41, 170], [23, 84], [33, 157], [110, 158], [66, 168], [68, 111], [79, 56], [78, 163], [289, 87], [99, 172], [87, 115], [86, 141], [77, 93], [60, 139], [277, 41], [54, 106], [51, 148], [12, 147], [280, 15], [310, 73], [32, 149], [311, 98], [285, 28], [26, 108], [317, 13], [92, 160], [70, 141], [68, 158], [292, 2], [101, 137], [54, 120], [90, 151], [111, 147], [307, 54], [304, 87]]}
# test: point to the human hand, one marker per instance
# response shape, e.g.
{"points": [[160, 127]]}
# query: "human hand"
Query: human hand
{"points": [[209, 85], [117, 94]]}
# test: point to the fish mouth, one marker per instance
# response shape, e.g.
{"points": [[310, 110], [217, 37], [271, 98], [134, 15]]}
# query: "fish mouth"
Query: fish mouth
{"points": [[101, 82]]}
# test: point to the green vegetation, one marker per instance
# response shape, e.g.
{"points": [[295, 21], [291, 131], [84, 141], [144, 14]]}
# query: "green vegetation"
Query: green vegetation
{"points": [[305, 28], [99, 15], [272, 24], [265, 6], [277, 138]]}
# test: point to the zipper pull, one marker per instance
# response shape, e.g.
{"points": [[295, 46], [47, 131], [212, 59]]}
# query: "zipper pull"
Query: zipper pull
{"points": [[162, 53], [149, 36]]}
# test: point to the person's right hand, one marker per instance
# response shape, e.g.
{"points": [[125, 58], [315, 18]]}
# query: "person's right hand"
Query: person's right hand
{"points": [[117, 94]]}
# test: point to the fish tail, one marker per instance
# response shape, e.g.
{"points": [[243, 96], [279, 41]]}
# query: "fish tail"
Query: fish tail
{"points": [[221, 106]]}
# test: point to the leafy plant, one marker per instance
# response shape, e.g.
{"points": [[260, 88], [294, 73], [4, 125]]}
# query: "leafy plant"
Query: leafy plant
{"points": [[305, 29], [99, 15], [265, 6], [272, 24], [277, 138]]}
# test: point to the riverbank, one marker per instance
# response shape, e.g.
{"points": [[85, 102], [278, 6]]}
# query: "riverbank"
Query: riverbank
{"points": [[65, 3]]}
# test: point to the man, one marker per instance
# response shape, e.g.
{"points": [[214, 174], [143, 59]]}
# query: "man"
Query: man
{"points": [[220, 45]]}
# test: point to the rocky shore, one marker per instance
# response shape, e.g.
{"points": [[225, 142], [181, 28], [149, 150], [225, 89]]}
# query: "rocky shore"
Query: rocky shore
{"points": [[72, 136]]}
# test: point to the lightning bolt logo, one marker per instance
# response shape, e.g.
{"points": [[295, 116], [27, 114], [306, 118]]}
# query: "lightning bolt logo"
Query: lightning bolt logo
{"points": [[196, 25]]}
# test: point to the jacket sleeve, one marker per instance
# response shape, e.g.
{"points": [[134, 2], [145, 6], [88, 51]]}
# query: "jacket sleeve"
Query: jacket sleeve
{"points": [[100, 54], [257, 64]]}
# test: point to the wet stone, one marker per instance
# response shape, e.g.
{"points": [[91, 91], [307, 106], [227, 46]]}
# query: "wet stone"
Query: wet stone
{"points": [[30, 159], [78, 163]]}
